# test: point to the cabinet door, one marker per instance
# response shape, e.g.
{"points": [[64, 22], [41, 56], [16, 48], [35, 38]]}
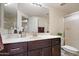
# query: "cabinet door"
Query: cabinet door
{"points": [[38, 44], [25, 47], [14, 49], [56, 51], [46, 51], [36, 52]]}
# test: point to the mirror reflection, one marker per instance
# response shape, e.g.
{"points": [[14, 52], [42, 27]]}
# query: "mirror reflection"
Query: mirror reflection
{"points": [[10, 16], [36, 17], [23, 18]]}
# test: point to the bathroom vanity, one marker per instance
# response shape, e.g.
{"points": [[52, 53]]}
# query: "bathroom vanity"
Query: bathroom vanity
{"points": [[37, 46]]}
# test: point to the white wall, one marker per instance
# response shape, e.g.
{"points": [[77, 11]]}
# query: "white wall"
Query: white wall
{"points": [[56, 21], [19, 19], [33, 24]]}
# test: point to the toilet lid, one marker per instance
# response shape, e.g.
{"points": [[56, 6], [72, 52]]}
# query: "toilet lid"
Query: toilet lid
{"points": [[70, 49]]}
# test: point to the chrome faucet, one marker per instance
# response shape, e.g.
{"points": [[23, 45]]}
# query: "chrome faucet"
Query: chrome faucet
{"points": [[20, 32]]}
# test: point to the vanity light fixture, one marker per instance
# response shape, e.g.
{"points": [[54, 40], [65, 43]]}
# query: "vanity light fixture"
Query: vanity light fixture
{"points": [[25, 21], [39, 5]]}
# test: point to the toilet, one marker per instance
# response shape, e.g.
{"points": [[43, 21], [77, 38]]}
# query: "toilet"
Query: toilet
{"points": [[67, 50]]}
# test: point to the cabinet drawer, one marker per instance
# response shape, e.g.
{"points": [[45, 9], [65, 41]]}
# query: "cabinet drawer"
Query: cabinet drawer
{"points": [[56, 41], [38, 44], [14, 48]]}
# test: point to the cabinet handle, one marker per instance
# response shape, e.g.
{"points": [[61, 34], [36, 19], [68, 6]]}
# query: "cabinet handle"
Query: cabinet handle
{"points": [[15, 49]]}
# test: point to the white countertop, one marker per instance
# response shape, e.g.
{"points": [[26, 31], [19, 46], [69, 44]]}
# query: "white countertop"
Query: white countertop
{"points": [[25, 39]]}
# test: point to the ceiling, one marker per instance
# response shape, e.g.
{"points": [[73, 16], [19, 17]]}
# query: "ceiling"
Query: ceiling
{"points": [[67, 7], [31, 10]]}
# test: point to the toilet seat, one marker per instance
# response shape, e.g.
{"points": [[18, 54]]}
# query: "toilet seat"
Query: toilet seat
{"points": [[70, 49]]}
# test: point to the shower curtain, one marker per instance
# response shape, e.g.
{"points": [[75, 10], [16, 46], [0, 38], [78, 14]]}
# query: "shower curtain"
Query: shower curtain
{"points": [[72, 30]]}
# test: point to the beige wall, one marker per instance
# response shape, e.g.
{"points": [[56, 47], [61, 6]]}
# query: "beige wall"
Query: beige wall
{"points": [[56, 21]]}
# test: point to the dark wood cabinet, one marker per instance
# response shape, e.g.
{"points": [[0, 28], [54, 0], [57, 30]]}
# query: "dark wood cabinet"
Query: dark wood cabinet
{"points": [[39, 44], [36, 52], [25, 48], [39, 48], [56, 51], [25, 53], [46, 51], [46, 47], [56, 47], [13, 49], [40, 52], [19, 54]]}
